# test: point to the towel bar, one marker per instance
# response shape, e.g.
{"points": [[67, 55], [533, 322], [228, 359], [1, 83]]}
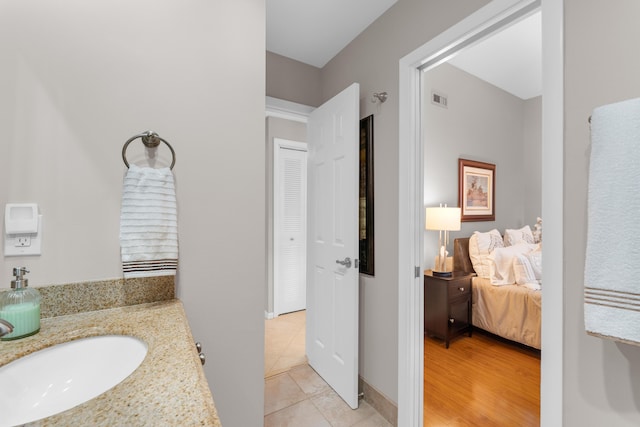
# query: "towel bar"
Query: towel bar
{"points": [[150, 140]]}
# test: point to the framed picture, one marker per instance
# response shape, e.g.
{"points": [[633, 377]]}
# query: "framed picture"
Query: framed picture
{"points": [[476, 190], [366, 236]]}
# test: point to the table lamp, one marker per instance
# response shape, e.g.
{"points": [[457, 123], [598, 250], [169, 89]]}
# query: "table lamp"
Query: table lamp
{"points": [[443, 219]]}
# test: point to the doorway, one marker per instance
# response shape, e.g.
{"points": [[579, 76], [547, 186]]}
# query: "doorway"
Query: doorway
{"points": [[286, 129], [411, 217], [309, 399], [470, 112], [284, 121]]}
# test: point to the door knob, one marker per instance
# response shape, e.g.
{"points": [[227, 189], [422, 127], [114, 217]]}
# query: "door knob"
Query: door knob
{"points": [[346, 262]]}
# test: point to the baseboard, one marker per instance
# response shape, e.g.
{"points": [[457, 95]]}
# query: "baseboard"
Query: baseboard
{"points": [[269, 315], [381, 403]]}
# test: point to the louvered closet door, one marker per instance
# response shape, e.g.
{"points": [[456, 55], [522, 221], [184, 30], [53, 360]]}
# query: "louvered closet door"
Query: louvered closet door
{"points": [[290, 229]]}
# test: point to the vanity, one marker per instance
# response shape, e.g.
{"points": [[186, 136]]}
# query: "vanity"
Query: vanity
{"points": [[168, 388]]}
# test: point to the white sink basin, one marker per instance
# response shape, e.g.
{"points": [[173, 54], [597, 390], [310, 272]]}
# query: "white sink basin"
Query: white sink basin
{"points": [[60, 377]]}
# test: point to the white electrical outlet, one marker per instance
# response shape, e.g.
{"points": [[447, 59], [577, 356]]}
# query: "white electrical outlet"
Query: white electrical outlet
{"points": [[23, 241], [24, 244]]}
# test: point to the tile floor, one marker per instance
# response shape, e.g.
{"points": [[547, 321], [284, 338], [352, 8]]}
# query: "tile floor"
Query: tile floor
{"points": [[295, 395], [284, 345]]}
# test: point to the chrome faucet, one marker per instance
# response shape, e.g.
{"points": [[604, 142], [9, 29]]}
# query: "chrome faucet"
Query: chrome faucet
{"points": [[5, 327]]}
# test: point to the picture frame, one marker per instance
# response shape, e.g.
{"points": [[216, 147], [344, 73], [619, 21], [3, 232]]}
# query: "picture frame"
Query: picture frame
{"points": [[476, 190], [366, 205]]}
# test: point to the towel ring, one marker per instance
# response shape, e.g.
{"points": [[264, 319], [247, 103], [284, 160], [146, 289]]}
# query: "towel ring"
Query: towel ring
{"points": [[150, 140]]}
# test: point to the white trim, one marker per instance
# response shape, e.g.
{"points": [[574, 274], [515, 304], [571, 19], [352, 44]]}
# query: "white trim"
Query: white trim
{"points": [[288, 110], [552, 364], [278, 144], [410, 293], [269, 315], [290, 144], [410, 218]]}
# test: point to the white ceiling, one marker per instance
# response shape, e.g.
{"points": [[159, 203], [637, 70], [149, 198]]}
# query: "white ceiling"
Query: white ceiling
{"points": [[510, 60], [313, 32]]}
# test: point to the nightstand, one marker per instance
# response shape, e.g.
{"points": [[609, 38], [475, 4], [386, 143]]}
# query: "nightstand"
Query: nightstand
{"points": [[447, 305]]}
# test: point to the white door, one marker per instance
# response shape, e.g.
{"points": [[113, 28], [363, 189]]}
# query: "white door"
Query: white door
{"points": [[332, 271], [290, 226]]}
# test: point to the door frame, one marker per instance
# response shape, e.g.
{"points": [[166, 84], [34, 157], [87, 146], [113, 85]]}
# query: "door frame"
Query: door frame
{"points": [[287, 144], [283, 109], [411, 209], [287, 110]]}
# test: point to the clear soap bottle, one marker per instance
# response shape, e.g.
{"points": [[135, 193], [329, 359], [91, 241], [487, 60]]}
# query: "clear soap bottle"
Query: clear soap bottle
{"points": [[21, 307]]}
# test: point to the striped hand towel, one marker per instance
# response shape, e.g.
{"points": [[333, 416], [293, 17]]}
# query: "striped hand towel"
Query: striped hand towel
{"points": [[611, 285], [148, 223]]}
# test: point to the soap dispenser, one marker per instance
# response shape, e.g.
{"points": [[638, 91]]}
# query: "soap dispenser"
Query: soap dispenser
{"points": [[21, 307]]}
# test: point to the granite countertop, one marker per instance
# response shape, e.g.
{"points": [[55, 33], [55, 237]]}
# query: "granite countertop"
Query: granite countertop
{"points": [[169, 387]]}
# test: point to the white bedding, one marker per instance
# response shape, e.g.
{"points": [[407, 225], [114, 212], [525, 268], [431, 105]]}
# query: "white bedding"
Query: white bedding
{"points": [[506, 297], [510, 311]]}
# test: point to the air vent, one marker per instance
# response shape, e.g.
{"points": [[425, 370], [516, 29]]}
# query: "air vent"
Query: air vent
{"points": [[439, 99]]}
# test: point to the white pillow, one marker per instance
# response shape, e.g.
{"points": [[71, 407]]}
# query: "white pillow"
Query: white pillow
{"points": [[480, 246], [525, 274], [535, 259], [513, 237], [523, 271], [502, 263]]}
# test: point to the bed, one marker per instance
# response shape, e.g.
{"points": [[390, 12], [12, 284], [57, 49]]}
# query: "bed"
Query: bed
{"points": [[509, 311]]}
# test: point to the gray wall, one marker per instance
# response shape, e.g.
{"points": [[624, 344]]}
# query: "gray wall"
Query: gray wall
{"points": [[372, 60], [482, 123], [531, 160], [601, 377], [77, 80], [293, 80], [284, 129]]}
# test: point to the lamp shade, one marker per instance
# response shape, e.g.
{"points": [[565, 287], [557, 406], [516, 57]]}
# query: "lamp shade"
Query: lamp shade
{"points": [[443, 218]]}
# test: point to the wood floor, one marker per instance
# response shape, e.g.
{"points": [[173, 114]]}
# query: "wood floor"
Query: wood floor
{"points": [[481, 381]]}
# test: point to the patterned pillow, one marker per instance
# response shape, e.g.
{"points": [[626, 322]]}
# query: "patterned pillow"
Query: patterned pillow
{"points": [[513, 237], [480, 246]]}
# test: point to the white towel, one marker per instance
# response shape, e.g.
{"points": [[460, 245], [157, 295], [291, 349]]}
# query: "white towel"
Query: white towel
{"points": [[612, 264], [148, 223]]}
